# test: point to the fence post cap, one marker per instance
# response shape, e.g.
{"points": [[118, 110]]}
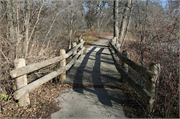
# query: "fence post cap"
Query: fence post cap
{"points": [[117, 45], [19, 62], [80, 40], [153, 67], [126, 53], [19, 59], [74, 44], [63, 50]]}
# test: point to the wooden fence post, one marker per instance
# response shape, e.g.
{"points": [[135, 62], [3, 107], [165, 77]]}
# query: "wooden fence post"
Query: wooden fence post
{"points": [[62, 64], [21, 82], [114, 41], [124, 65], [152, 83], [118, 48], [80, 41], [74, 45]]}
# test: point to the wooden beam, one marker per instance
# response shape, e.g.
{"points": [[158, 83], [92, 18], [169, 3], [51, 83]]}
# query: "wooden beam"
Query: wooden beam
{"points": [[74, 44], [139, 89], [124, 65], [80, 41], [142, 70], [19, 93], [152, 86], [33, 67], [21, 82], [62, 64]]}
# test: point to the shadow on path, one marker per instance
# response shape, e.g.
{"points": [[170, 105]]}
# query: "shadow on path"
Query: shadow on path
{"points": [[96, 76], [78, 83]]}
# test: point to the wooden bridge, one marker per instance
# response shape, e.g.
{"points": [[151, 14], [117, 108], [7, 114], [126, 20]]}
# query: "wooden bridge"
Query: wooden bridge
{"points": [[94, 76]]}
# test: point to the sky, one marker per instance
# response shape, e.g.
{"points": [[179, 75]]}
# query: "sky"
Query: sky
{"points": [[164, 2]]}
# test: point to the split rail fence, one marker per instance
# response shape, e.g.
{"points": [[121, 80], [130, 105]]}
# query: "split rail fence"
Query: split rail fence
{"points": [[23, 89], [148, 94]]}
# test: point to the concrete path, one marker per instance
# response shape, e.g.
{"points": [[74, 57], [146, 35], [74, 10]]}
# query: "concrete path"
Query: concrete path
{"points": [[93, 96]]}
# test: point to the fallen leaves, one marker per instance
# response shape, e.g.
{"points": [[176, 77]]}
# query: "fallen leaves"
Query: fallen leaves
{"points": [[42, 103], [71, 115]]}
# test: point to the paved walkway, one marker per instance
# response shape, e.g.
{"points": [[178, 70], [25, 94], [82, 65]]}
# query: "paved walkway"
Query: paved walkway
{"points": [[94, 76]]}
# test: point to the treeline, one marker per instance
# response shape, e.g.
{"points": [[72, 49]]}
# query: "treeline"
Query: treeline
{"points": [[32, 26], [38, 29]]}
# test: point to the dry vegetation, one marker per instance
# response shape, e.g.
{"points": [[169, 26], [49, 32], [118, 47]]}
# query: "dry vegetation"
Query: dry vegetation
{"points": [[168, 83], [154, 36], [37, 30], [42, 103]]}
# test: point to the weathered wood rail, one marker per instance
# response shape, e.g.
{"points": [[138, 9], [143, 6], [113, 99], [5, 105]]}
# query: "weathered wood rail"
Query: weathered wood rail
{"points": [[148, 94], [21, 70]]}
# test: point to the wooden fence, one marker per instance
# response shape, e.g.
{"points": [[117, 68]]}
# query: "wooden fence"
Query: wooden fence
{"points": [[21, 70], [148, 94]]}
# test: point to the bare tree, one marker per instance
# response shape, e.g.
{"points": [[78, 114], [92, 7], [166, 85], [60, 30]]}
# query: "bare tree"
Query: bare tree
{"points": [[157, 35], [11, 25], [92, 14], [16, 27], [125, 21], [115, 13], [27, 17]]}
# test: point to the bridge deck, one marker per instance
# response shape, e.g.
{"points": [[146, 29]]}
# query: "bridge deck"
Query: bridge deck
{"points": [[93, 77]]}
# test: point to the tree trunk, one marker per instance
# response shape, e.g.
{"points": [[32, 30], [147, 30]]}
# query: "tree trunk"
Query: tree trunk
{"points": [[115, 10], [70, 40], [16, 28], [27, 16], [7, 27], [124, 23], [71, 29], [11, 26]]}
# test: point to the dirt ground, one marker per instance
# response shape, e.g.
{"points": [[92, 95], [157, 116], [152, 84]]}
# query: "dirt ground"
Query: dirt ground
{"points": [[43, 105], [42, 102]]}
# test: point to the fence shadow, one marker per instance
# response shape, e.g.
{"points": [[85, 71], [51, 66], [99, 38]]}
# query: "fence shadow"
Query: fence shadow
{"points": [[79, 75], [96, 79], [97, 84]]}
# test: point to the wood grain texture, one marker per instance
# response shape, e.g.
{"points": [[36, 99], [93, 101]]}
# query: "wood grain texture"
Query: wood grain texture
{"points": [[139, 89], [62, 64], [21, 82], [141, 70], [19, 93], [32, 67]]}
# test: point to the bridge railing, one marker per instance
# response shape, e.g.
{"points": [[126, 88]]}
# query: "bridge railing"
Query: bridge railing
{"points": [[21, 94], [149, 94]]}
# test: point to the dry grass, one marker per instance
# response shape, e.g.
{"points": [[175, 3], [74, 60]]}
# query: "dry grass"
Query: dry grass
{"points": [[42, 98], [42, 103], [167, 105], [90, 37]]}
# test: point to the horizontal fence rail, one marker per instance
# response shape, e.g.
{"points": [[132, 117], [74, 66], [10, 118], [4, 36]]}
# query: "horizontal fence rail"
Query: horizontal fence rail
{"points": [[149, 95], [142, 70], [142, 91], [33, 67], [26, 89], [23, 89]]}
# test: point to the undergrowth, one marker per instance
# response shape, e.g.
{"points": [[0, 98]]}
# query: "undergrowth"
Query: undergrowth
{"points": [[42, 103], [167, 105]]}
